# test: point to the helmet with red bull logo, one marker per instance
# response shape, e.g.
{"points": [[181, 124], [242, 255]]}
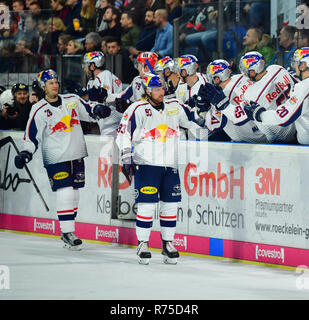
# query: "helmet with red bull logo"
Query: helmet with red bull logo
{"points": [[150, 81], [218, 68], [300, 56], [188, 63], [252, 61], [46, 75], [163, 64], [96, 57]]}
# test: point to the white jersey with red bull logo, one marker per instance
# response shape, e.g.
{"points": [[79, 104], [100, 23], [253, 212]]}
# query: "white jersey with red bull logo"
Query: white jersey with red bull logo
{"points": [[154, 134], [58, 129], [106, 80], [295, 110], [113, 85], [272, 90], [237, 126], [133, 92], [191, 92]]}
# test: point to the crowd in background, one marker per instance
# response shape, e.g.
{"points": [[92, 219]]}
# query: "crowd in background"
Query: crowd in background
{"points": [[39, 31]]}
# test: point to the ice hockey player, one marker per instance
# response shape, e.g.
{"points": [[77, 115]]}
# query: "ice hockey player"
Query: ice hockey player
{"points": [[166, 67], [231, 115], [145, 64], [54, 124], [148, 138], [101, 84], [296, 108], [271, 87]]}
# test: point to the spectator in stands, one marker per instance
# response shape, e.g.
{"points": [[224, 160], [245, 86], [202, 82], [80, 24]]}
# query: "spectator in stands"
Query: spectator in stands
{"points": [[75, 7], [103, 5], [59, 9], [30, 33], [163, 45], [24, 57], [63, 42], [18, 7], [258, 14], [93, 42], [301, 38], [154, 4], [74, 47], [111, 17], [88, 17], [128, 71], [147, 36], [137, 8], [174, 9], [104, 44], [55, 28], [255, 40], [287, 46], [130, 31], [36, 11]]}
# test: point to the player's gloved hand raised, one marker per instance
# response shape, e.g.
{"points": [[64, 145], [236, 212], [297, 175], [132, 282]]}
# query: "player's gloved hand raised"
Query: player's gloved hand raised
{"points": [[101, 111], [202, 104], [97, 94], [219, 99], [122, 105], [23, 158], [254, 111]]}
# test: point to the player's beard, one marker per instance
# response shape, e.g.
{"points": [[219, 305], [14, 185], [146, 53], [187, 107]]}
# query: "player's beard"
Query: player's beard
{"points": [[156, 103]]}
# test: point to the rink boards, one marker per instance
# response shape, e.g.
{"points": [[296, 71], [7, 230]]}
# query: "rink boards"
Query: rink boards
{"points": [[240, 201]]}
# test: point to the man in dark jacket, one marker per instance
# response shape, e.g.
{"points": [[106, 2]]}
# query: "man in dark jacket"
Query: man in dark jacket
{"points": [[147, 36]]}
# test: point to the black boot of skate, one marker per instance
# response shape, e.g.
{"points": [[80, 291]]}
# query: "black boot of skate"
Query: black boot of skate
{"points": [[170, 253], [71, 241], [143, 252]]}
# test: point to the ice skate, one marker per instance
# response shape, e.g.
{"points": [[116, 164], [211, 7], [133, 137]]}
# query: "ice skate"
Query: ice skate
{"points": [[71, 241], [170, 253], [143, 252]]}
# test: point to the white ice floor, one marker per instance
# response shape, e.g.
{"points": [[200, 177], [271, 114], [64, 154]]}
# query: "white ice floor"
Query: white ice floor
{"points": [[39, 268]]}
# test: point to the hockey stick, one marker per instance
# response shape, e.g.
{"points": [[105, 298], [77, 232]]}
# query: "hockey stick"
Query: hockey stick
{"points": [[126, 174], [10, 139]]}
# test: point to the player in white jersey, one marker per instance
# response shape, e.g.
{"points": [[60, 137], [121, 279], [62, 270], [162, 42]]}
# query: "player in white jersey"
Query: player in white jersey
{"points": [[145, 64], [271, 87], [148, 137], [54, 124], [294, 110], [176, 88], [187, 66], [101, 84], [233, 118]]}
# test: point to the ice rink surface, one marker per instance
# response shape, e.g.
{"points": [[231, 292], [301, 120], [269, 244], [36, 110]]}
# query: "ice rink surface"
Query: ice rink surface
{"points": [[39, 268]]}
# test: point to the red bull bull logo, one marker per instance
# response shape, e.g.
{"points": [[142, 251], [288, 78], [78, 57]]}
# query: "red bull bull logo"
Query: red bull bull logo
{"points": [[303, 53], [164, 61], [184, 61], [66, 124], [250, 61], [161, 133], [216, 68]]}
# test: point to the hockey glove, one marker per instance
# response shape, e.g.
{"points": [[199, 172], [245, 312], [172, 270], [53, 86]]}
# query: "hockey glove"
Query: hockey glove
{"points": [[23, 158], [122, 105], [170, 87], [101, 111], [254, 111], [201, 104], [128, 167], [97, 94], [219, 99]]}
